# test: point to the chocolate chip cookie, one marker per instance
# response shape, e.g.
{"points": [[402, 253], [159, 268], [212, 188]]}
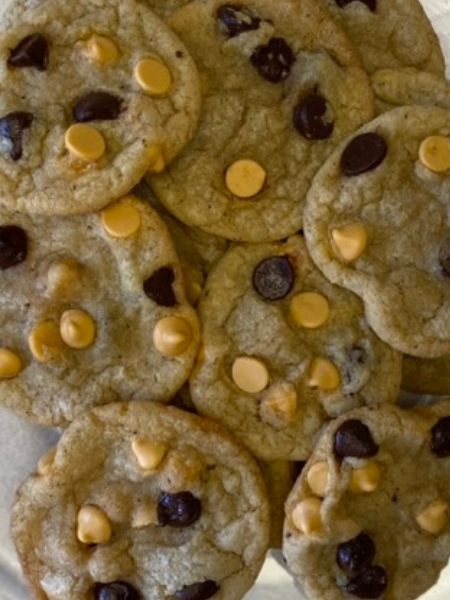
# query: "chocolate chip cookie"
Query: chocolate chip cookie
{"points": [[369, 516], [427, 376], [93, 310], [284, 350], [281, 86], [377, 222], [390, 33], [142, 502], [93, 95]]}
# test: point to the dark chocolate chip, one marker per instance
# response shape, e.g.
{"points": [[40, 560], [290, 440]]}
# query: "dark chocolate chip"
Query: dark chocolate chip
{"points": [[440, 438], [274, 60], [371, 583], [32, 51], [353, 438], [235, 20], [273, 278], [356, 555], [178, 510], [117, 590], [444, 258], [364, 153], [12, 127], [371, 4], [97, 106], [310, 118], [158, 287], [13, 246], [198, 591]]}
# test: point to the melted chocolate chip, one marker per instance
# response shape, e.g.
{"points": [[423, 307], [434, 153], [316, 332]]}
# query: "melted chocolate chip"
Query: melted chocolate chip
{"points": [[32, 51], [353, 438], [274, 60], [158, 287], [13, 246], [444, 258], [364, 153], [440, 438], [198, 591], [356, 555], [179, 510], [310, 118], [117, 590], [371, 4], [235, 20], [97, 106], [371, 583], [12, 127], [273, 278]]}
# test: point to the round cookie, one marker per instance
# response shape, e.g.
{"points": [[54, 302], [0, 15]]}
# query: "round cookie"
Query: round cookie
{"points": [[369, 516], [145, 502], [288, 89], [377, 222], [284, 350], [427, 376], [128, 100], [390, 33], [93, 309]]}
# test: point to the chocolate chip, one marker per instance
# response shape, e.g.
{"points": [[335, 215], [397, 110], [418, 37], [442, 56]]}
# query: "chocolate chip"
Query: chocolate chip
{"points": [[32, 51], [198, 591], [97, 106], [444, 258], [178, 510], [273, 278], [158, 287], [117, 590], [364, 153], [274, 60], [371, 583], [440, 438], [13, 246], [310, 118], [356, 555], [353, 438], [235, 20], [12, 127], [371, 4]]}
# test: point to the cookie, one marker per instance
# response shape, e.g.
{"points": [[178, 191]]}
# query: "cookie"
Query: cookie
{"points": [[369, 516], [281, 87], [427, 376], [93, 310], [128, 100], [377, 222], [284, 350], [390, 33], [142, 501]]}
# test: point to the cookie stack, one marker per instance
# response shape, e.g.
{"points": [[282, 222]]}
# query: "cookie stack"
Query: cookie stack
{"points": [[241, 210]]}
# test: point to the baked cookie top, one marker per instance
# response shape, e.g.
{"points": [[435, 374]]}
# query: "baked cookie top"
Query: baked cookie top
{"points": [[427, 376], [93, 94], [93, 310], [281, 86], [377, 222], [143, 502], [390, 33], [284, 350], [369, 516]]}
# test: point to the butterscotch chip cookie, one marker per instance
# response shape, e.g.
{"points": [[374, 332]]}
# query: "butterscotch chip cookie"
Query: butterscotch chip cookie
{"points": [[390, 33], [377, 223], [284, 350], [145, 502], [94, 309], [282, 86], [369, 516], [93, 95], [426, 376]]}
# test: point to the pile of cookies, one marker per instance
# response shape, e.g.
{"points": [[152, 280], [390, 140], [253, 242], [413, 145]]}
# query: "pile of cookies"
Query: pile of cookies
{"points": [[239, 210]]}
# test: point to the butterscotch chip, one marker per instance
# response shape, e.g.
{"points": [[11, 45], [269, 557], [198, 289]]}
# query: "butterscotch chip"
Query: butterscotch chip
{"points": [[306, 516], [148, 454], [45, 341], [317, 478], [281, 399], [10, 364], [121, 220], [63, 278], [153, 76], [245, 178], [157, 164], [250, 374], [323, 375], [85, 142], [102, 50], [434, 153], [366, 479], [434, 518], [172, 336], [350, 241], [144, 515], [94, 526], [310, 310], [77, 329]]}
